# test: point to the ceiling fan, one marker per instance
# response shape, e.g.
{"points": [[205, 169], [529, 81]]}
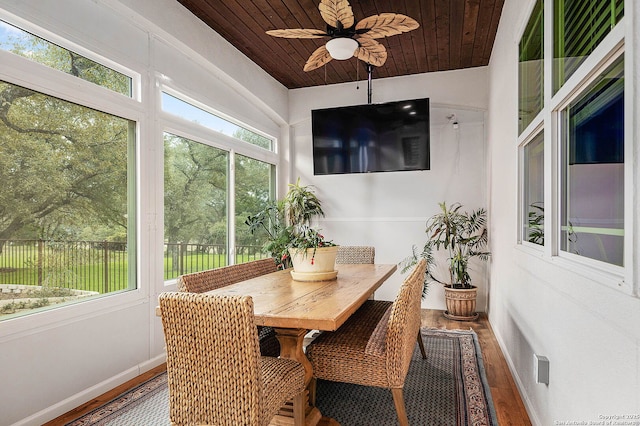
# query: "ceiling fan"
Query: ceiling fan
{"points": [[348, 39]]}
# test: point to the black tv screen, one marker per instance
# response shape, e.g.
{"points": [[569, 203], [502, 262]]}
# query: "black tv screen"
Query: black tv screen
{"points": [[392, 136]]}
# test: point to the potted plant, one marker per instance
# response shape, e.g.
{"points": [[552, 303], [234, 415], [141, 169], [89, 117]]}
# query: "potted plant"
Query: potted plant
{"points": [[271, 220], [312, 256], [463, 236], [291, 239]]}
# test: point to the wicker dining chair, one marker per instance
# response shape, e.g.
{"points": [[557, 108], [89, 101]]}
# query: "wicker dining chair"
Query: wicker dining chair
{"points": [[375, 345], [215, 373], [355, 254], [200, 282]]}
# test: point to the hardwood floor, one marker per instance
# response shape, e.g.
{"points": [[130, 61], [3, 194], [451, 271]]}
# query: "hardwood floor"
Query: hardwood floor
{"points": [[506, 399]]}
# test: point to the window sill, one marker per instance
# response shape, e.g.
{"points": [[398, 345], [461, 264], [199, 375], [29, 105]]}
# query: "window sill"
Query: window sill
{"points": [[68, 314], [609, 276]]}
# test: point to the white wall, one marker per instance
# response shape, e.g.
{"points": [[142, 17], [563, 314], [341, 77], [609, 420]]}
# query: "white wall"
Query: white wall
{"points": [[388, 210], [53, 361], [540, 305]]}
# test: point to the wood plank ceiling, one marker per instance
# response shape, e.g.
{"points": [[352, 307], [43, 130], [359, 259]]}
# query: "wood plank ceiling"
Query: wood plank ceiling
{"points": [[453, 34]]}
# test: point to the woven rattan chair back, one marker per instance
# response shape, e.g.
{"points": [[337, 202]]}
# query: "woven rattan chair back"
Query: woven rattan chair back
{"points": [[403, 326], [214, 381], [200, 282], [355, 254]]}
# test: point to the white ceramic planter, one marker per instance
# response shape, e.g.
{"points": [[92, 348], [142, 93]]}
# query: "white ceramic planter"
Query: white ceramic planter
{"points": [[310, 267]]}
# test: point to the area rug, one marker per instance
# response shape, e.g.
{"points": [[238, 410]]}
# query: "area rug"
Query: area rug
{"points": [[449, 388]]}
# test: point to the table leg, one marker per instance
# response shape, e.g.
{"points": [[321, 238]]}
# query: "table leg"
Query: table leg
{"points": [[291, 346]]}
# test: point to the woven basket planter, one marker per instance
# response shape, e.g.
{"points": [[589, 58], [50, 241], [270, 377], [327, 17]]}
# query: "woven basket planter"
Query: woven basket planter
{"points": [[320, 266], [461, 303]]}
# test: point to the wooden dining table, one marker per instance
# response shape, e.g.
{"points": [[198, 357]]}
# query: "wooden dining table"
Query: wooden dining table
{"points": [[293, 308]]}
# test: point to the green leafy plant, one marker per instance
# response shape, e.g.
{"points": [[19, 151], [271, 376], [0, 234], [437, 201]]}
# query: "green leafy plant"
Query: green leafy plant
{"points": [[308, 238], [536, 228], [462, 235], [271, 220], [287, 223], [301, 205], [536, 224]]}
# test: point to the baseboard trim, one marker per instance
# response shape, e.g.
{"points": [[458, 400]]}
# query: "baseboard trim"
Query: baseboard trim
{"points": [[88, 394], [514, 373]]}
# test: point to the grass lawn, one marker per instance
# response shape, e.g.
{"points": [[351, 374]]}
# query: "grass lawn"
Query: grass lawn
{"points": [[88, 270]]}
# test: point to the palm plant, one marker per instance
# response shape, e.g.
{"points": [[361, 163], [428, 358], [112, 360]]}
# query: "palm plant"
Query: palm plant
{"points": [[462, 235], [536, 224], [301, 204]]}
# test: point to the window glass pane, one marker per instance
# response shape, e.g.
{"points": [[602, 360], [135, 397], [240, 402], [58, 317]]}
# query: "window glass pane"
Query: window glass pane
{"points": [[195, 206], [32, 47], [531, 93], [190, 112], [578, 29], [593, 170], [533, 186], [67, 210], [255, 187]]}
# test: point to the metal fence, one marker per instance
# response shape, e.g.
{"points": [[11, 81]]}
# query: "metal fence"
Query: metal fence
{"points": [[182, 258], [101, 266]]}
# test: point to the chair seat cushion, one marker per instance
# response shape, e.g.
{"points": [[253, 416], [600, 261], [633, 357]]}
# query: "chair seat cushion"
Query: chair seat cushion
{"points": [[342, 355], [377, 342], [280, 377]]}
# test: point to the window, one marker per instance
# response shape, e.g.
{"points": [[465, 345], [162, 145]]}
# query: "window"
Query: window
{"points": [[582, 134], [68, 173], [189, 111], [211, 186], [39, 50], [254, 188], [579, 27], [195, 206], [533, 191], [530, 71], [67, 209], [593, 169]]}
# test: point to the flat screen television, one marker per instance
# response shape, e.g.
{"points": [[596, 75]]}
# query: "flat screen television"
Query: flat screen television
{"points": [[387, 137]]}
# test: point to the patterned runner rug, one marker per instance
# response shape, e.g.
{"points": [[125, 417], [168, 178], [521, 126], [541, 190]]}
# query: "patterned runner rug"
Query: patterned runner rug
{"points": [[449, 388]]}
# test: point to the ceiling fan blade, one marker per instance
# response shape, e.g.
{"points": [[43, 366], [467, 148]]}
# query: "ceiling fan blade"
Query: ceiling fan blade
{"points": [[334, 11], [317, 59], [370, 51], [386, 24], [298, 33]]}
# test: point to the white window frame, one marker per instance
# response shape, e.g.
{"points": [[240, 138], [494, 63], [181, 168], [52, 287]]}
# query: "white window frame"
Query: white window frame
{"points": [[48, 81], [183, 96], [136, 78], [615, 274], [522, 239], [619, 40], [184, 128]]}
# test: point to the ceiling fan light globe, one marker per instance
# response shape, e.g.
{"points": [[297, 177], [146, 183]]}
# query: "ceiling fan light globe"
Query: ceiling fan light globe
{"points": [[341, 48]]}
